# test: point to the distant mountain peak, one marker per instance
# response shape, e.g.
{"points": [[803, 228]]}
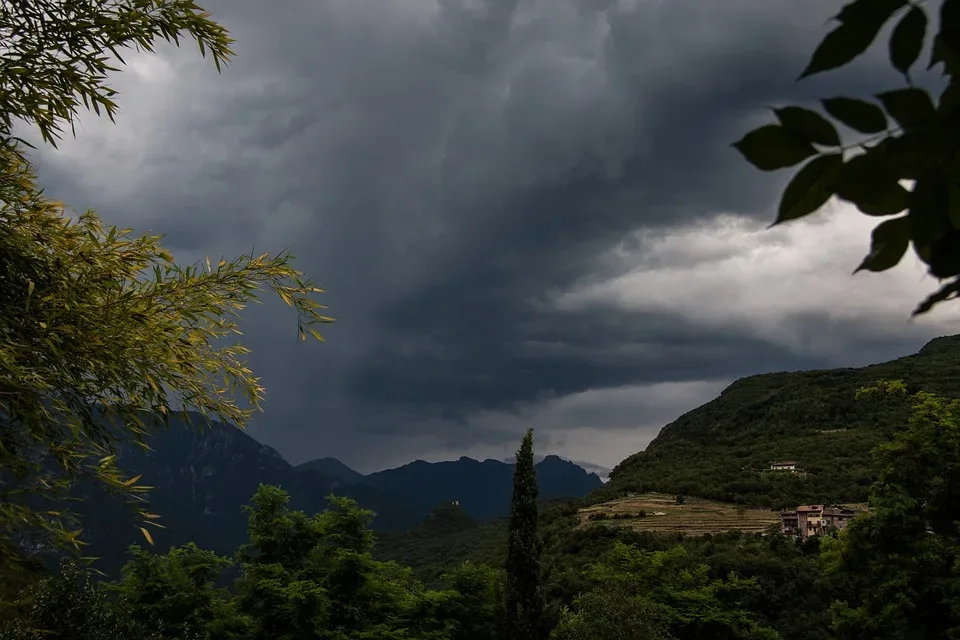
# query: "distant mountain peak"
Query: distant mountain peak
{"points": [[332, 468]]}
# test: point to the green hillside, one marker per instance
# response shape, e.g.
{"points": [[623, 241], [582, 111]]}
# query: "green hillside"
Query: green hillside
{"points": [[720, 451], [723, 449]]}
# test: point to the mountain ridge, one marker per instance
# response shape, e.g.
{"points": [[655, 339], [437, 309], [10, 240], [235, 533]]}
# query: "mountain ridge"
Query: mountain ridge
{"points": [[202, 478], [722, 450], [482, 488]]}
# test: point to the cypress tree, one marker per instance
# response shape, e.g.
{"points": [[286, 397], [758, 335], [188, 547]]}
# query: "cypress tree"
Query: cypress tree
{"points": [[524, 594]]}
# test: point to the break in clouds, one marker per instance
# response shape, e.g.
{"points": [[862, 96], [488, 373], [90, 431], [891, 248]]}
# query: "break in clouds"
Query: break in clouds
{"points": [[523, 211]]}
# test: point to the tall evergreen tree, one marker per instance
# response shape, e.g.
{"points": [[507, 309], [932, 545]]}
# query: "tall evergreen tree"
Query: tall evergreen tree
{"points": [[524, 595]]}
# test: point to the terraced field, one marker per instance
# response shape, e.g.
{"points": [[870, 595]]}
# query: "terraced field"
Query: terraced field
{"points": [[660, 512]]}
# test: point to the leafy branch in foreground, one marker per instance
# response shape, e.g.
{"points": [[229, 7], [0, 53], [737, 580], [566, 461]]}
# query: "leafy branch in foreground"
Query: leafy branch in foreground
{"points": [[909, 138], [55, 58], [904, 554], [101, 332]]}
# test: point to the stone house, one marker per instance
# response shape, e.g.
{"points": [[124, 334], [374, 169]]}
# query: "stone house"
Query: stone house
{"points": [[814, 519]]}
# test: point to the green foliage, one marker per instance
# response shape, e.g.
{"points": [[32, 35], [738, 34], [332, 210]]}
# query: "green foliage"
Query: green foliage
{"points": [[775, 146], [905, 554], [40, 85], [477, 606], [442, 541], [667, 590], [860, 21], [813, 185], [281, 606], [922, 146], [300, 577], [906, 42], [176, 592], [524, 592], [809, 124], [859, 115], [71, 605], [889, 241], [101, 330], [790, 595], [281, 583], [610, 614], [871, 182], [13, 583], [314, 576]]}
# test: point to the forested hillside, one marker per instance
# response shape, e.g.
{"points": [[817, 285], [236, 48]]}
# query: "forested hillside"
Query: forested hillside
{"points": [[723, 449]]}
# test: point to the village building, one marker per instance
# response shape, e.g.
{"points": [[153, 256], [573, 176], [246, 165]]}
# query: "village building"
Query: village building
{"points": [[814, 520], [784, 465]]}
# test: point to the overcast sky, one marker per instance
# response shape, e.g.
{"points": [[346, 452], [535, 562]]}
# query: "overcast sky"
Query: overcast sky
{"points": [[524, 212]]}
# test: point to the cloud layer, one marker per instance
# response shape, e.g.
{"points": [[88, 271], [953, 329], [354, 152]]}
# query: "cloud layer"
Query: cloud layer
{"points": [[523, 210]]}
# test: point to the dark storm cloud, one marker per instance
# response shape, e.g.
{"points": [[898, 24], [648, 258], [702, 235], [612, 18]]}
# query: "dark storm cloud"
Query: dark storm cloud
{"points": [[444, 168]]}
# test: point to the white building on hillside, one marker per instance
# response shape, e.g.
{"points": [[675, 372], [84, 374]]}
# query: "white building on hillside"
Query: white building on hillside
{"points": [[784, 465]]}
